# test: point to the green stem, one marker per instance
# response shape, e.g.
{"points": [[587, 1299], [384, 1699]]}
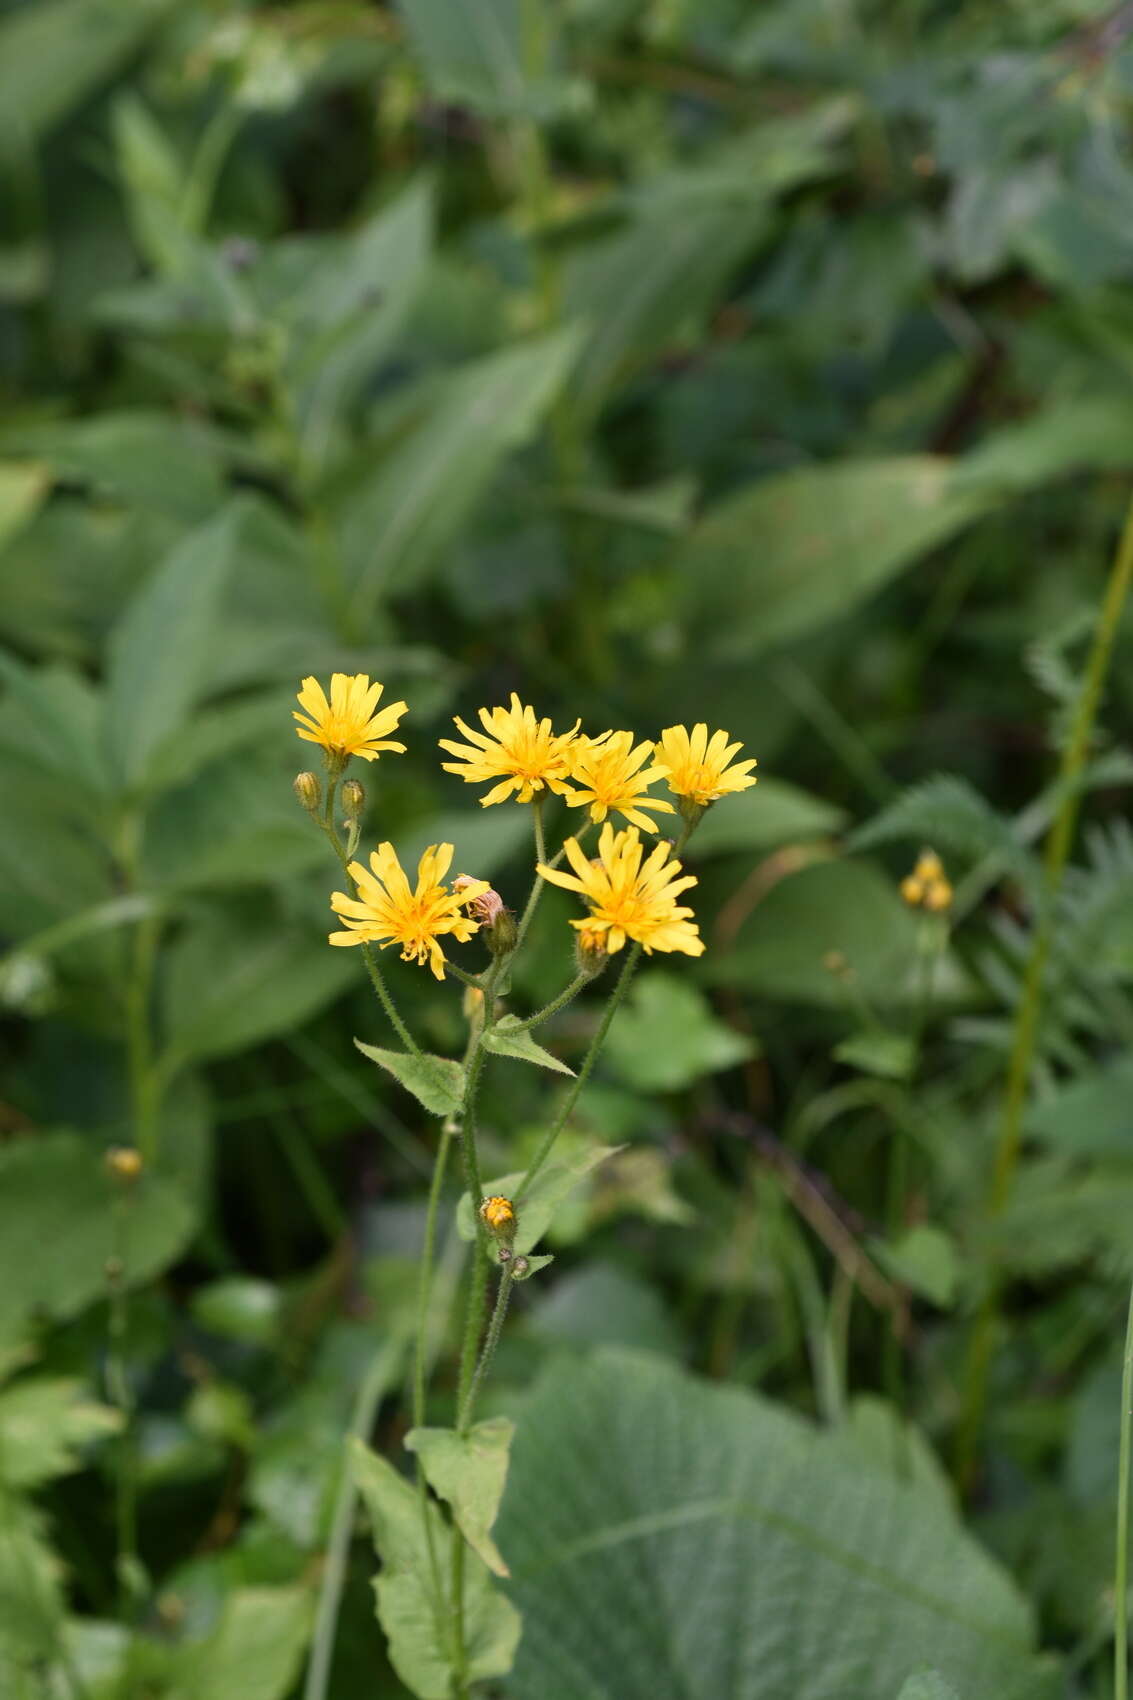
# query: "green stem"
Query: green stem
{"points": [[1121, 1553], [491, 1341], [599, 1039], [121, 1397], [540, 856], [370, 958], [461, 974], [144, 1081], [1027, 1020], [379, 1379], [553, 1007]]}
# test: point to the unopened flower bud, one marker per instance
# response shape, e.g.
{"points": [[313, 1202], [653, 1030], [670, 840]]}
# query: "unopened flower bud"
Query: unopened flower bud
{"points": [[124, 1162], [308, 790], [520, 1269], [927, 887], [353, 799], [690, 811], [497, 923], [590, 949], [498, 1216], [938, 896]]}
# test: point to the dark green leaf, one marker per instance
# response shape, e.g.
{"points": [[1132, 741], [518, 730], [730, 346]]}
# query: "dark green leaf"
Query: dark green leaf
{"points": [[436, 1082]]}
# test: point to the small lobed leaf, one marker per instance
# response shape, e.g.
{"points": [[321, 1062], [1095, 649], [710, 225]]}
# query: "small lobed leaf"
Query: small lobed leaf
{"points": [[469, 1472], [436, 1082], [42, 1422], [503, 1041]]}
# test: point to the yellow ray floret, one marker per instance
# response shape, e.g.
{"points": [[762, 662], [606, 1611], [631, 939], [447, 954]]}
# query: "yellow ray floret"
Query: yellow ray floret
{"points": [[606, 772], [387, 912], [522, 752], [347, 725], [629, 898], [696, 766]]}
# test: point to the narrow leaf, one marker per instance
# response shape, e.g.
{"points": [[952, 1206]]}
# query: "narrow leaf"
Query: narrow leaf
{"points": [[507, 1043]]}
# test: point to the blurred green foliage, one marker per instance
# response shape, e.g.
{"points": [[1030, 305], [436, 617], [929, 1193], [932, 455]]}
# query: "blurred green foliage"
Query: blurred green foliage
{"points": [[662, 360]]}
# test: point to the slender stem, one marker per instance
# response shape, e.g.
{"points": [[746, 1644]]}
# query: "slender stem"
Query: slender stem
{"points": [[459, 973], [472, 1323], [553, 1007], [424, 1282], [568, 1103], [540, 856], [1025, 1036], [144, 1080], [379, 1379], [121, 1396], [1121, 1553], [369, 956], [491, 1341]]}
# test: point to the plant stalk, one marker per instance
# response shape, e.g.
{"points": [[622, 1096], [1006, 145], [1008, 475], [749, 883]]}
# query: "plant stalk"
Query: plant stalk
{"points": [[1121, 1551]]}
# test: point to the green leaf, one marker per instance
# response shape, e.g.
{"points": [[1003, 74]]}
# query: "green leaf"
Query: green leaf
{"points": [[948, 813], [233, 981], [42, 1422], [417, 1625], [160, 649], [1088, 1117], [130, 456], [254, 1653], [504, 1042], [667, 1036], [553, 1183], [436, 1082], [840, 908], [774, 813], [480, 56], [23, 485], [765, 566], [55, 53], [398, 522], [469, 1471], [240, 1307], [58, 1227], [777, 1566], [31, 1602], [925, 1259], [892, 1056], [927, 1685]]}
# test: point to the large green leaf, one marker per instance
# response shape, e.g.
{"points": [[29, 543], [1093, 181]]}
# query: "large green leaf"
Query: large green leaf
{"points": [[23, 485], [469, 1471], [485, 56], [252, 1654], [396, 524], [42, 1422], [797, 551], [671, 1537], [416, 1622], [160, 649], [61, 1218], [668, 1036], [55, 52], [775, 812]]}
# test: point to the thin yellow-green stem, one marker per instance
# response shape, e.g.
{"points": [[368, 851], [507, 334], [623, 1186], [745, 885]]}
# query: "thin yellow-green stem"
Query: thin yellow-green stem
{"points": [[540, 856], [121, 1397], [1030, 1006], [565, 996], [487, 1352], [1121, 1551], [369, 955]]}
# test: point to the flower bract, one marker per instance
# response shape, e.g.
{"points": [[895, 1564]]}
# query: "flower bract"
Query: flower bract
{"points": [[696, 766], [525, 754], [609, 776], [349, 724], [630, 898], [386, 911]]}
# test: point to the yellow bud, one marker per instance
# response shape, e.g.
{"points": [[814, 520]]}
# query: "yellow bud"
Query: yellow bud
{"points": [[308, 790], [124, 1162], [938, 896], [353, 799], [590, 949], [929, 867], [912, 890], [498, 1216]]}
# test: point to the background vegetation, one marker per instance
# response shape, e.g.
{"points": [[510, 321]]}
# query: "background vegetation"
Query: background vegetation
{"points": [[662, 360]]}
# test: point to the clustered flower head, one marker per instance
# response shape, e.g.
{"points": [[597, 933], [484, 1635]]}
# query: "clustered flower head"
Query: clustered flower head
{"points": [[927, 887], [630, 895]]}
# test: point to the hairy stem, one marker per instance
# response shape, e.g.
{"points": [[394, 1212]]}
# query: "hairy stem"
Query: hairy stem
{"points": [[1121, 1551], [491, 1341]]}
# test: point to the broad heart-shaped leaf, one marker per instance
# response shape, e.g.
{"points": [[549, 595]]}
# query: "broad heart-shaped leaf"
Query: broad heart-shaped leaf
{"points": [[469, 1471], [670, 1537], [668, 1036], [436, 1082], [551, 1185], [160, 649], [503, 1041], [252, 1654], [395, 525], [415, 1621], [796, 551], [57, 1227]]}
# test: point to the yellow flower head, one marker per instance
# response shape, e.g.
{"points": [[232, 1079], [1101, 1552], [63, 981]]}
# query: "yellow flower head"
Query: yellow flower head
{"points": [[607, 773], [696, 766], [387, 912], [927, 887], [347, 725], [521, 750], [498, 1212], [628, 898]]}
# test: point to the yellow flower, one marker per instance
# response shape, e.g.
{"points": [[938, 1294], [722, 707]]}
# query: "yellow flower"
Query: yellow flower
{"points": [[927, 887], [696, 766], [630, 899], [498, 1212], [387, 912], [524, 750], [347, 725], [606, 769]]}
